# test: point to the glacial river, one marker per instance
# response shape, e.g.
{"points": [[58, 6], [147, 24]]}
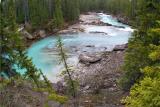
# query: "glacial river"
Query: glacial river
{"points": [[45, 55]]}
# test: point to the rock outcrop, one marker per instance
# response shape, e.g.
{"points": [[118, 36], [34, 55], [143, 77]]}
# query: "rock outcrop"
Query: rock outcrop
{"points": [[101, 78], [120, 47], [27, 35], [99, 23], [41, 33], [87, 58], [96, 32], [36, 35], [68, 31], [122, 19]]}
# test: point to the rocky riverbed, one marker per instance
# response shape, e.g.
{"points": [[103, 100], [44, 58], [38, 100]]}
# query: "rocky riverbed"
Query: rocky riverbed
{"points": [[98, 76], [95, 46], [97, 73], [92, 19]]}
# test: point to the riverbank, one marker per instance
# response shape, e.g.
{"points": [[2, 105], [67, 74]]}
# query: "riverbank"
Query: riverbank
{"points": [[98, 76], [89, 44], [89, 18], [98, 80]]}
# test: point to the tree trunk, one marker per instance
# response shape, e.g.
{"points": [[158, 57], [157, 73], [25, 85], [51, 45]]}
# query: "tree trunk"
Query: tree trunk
{"points": [[26, 11]]}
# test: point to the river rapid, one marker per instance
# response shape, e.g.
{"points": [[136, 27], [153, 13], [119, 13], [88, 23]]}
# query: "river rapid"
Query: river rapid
{"points": [[94, 39]]}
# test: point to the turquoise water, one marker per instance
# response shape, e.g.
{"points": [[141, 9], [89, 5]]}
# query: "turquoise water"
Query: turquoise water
{"points": [[44, 53], [110, 20]]}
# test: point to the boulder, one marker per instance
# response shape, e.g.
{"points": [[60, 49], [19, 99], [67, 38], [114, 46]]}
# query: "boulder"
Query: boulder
{"points": [[119, 26], [88, 59], [100, 23], [27, 35], [68, 31], [120, 47], [59, 87], [90, 46], [123, 19], [41, 33], [54, 104], [1, 79], [81, 29], [97, 32]]}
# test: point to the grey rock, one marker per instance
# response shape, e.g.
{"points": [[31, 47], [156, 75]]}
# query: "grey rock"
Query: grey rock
{"points": [[86, 58], [90, 46], [54, 104], [27, 35], [95, 32], [68, 31], [59, 87], [41, 33], [120, 47], [119, 26]]}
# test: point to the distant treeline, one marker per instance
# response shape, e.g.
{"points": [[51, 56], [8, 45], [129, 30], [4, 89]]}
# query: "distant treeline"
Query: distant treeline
{"points": [[40, 12], [111, 6]]}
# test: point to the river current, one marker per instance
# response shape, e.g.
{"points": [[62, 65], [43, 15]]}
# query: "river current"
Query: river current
{"points": [[45, 56]]}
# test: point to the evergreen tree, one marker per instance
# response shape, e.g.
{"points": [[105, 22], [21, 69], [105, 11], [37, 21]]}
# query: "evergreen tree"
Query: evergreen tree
{"points": [[147, 92], [58, 17], [12, 48], [139, 45], [69, 80], [71, 9]]}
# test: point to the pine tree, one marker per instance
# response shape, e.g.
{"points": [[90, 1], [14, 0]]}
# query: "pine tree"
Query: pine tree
{"points": [[12, 48], [139, 45], [67, 71], [147, 92], [71, 9], [58, 16]]}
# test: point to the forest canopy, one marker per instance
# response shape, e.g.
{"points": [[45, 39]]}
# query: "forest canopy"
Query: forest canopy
{"points": [[40, 12]]}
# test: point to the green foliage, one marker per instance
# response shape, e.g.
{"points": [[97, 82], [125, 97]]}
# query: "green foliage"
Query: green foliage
{"points": [[13, 49], [72, 84], [110, 6], [155, 54], [13, 54], [146, 90], [58, 17], [141, 50], [136, 58], [58, 98], [10, 42], [11, 87], [40, 13], [145, 94], [70, 9], [52, 96], [151, 71], [17, 83]]}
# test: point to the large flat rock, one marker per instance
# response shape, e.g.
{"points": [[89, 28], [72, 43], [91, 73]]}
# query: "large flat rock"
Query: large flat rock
{"points": [[120, 47], [88, 58]]}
